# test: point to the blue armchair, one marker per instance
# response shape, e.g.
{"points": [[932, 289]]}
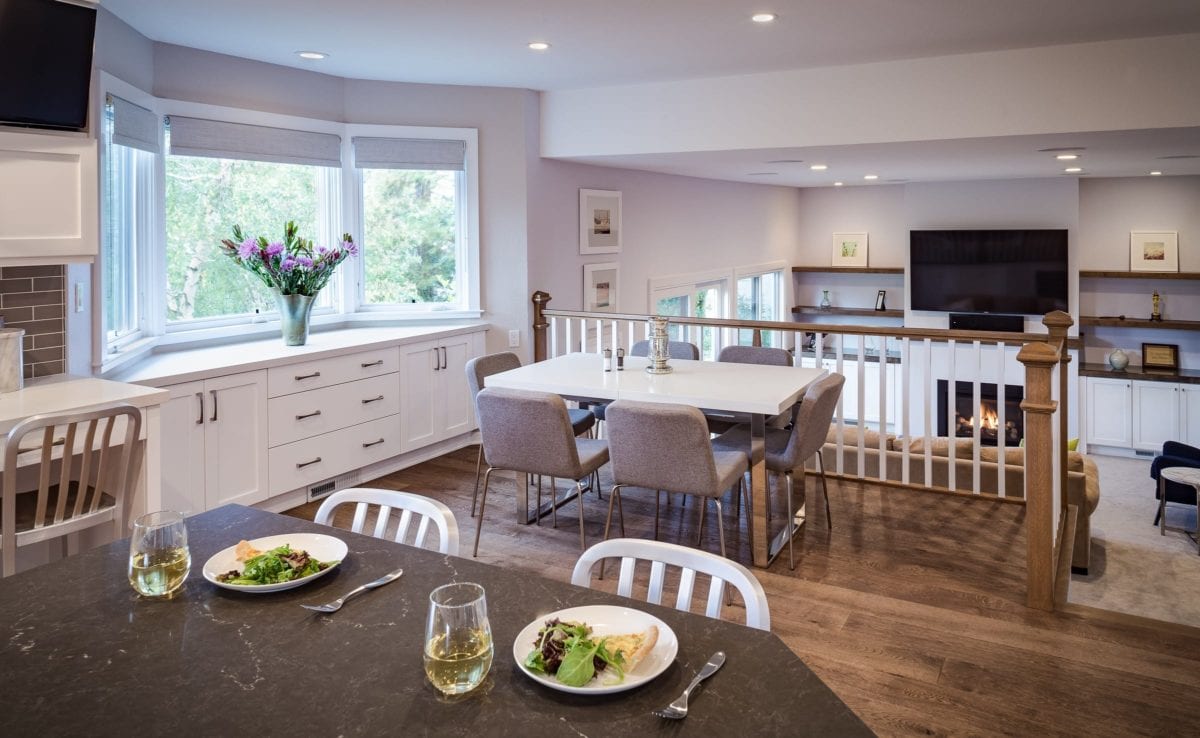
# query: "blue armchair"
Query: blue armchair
{"points": [[1175, 454]]}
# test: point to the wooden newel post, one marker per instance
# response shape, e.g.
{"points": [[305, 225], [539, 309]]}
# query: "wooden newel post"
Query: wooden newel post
{"points": [[1058, 323], [1039, 360], [540, 324]]}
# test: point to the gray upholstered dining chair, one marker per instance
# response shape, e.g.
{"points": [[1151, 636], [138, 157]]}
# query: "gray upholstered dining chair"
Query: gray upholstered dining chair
{"points": [[763, 355], [505, 417], [790, 450], [666, 447], [675, 349], [482, 367]]}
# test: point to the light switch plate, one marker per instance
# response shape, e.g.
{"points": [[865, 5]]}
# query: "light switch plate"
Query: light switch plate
{"points": [[79, 297], [514, 339]]}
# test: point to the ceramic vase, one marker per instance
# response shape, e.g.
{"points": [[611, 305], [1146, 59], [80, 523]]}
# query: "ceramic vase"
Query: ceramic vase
{"points": [[1118, 360], [294, 312]]}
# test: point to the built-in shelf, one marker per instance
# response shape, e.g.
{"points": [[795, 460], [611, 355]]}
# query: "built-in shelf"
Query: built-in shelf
{"points": [[1115, 322], [1083, 273], [847, 270], [1180, 376], [818, 310]]}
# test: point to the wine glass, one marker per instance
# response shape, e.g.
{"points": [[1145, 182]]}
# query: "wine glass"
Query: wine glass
{"points": [[159, 559], [458, 638]]}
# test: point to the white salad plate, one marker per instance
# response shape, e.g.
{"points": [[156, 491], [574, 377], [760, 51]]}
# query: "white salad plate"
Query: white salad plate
{"points": [[318, 546], [604, 620]]}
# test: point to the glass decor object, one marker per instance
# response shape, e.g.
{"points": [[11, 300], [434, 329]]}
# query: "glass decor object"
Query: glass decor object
{"points": [[825, 303], [294, 312], [159, 559], [458, 638], [659, 348]]}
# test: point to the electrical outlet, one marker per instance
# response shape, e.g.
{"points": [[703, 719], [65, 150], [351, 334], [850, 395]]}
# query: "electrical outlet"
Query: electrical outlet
{"points": [[79, 297], [514, 339]]}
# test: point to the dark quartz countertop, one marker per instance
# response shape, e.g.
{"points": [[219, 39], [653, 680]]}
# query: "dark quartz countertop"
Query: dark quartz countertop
{"points": [[82, 654], [1178, 376]]}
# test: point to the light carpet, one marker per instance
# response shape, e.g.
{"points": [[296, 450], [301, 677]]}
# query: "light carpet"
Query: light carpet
{"points": [[1134, 569]]}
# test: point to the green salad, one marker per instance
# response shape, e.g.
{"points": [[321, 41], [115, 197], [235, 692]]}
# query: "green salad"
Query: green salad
{"points": [[282, 564], [569, 652]]}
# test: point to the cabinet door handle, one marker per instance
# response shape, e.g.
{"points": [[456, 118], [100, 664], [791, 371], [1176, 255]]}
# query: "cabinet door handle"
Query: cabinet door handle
{"points": [[313, 414], [200, 418], [443, 357], [214, 398], [437, 362], [369, 400], [373, 443], [309, 463], [307, 376], [369, 364]]}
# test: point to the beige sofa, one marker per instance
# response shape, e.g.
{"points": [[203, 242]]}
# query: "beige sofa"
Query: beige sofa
{"points": [[1083, 479]]}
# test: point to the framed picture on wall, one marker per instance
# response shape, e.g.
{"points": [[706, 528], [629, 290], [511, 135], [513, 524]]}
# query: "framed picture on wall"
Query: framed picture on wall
{"points": [[600, 283], [849, 249], [1154, 251], [599, 221]]}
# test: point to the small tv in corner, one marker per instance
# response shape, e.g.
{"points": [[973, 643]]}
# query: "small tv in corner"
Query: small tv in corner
{"points": [[45, 63], [1009, 272]]}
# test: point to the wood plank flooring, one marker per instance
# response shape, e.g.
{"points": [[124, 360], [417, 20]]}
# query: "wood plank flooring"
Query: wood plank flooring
{"points": [[910, 608]]}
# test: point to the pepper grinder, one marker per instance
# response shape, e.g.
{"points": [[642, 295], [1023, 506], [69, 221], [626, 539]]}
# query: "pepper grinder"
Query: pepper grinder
{"points": [[620, 359]]}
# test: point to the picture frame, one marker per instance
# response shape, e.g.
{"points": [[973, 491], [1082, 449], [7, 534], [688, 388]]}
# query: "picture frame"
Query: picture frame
{"points": [[881, 300], [601, 284], [600, 228], [1160, 356], [849, 249], [1154, 251]]}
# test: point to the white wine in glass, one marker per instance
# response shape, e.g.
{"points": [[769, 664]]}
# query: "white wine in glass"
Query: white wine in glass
{"points": [[458, 638], [159, 559]]}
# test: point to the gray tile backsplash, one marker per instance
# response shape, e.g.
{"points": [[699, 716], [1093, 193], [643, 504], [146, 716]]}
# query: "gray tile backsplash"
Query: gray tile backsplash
{"points": [[34, 298]]}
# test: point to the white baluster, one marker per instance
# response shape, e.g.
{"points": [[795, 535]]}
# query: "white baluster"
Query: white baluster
{"points": [[1001, 420], [905, 409], [951, 427], [977, 411]]}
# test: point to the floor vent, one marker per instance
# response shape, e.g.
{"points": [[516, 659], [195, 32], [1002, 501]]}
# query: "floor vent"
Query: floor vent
{"points": [[324, 489]]}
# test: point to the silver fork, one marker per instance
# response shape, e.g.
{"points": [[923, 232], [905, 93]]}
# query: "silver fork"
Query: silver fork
{"points": [[337, 604], [678, 709]]}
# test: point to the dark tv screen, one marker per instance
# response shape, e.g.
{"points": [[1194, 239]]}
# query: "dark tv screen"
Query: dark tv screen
{"points": [[45, 63], [1015, 272]]}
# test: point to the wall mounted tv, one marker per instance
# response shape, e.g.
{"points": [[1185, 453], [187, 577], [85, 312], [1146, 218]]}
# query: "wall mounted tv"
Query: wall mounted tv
{"points": [[1015, 272], [45, 63]]}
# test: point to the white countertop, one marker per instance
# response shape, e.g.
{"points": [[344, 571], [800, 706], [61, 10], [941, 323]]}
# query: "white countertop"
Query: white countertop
{"points": [[65, 393], [185, 365], [727, 387]]}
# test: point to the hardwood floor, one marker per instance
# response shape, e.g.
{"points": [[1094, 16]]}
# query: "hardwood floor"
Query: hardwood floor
{"points": [[910, 609]]}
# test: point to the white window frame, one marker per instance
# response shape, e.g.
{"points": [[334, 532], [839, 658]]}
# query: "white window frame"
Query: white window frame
{"points": [[759, 270], [689, 284]]}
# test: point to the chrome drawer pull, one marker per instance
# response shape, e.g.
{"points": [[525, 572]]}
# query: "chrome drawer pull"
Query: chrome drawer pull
{"points": [[373, 443], [307, 376], [372, 363], [372, 399], [313, 414], [309, 463]]}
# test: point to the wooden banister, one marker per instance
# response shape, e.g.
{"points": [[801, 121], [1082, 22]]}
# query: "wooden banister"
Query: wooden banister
{"points": [[540, 324], [1057, 324], [1039, 359]]}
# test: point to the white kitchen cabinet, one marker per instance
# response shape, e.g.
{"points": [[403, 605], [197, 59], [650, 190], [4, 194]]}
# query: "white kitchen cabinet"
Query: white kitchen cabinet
{"points": [[214, 448], [1189, 414], [1155, 414], [1109, 412], [435, 400]]}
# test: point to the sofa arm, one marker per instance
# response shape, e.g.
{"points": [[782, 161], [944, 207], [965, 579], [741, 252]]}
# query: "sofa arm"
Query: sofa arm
{"points": [[1181, 451]]}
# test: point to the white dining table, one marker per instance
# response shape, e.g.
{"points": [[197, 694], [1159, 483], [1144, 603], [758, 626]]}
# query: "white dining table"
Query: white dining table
{"points": [[746, 392]]}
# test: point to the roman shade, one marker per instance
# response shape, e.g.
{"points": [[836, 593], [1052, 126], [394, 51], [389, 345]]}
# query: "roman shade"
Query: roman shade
{"points": [[224, 140], [409, 153], [134, 126]]}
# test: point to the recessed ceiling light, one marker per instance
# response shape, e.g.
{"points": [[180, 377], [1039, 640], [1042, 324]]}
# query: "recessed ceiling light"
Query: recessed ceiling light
{"points": [[763, 17], [838, 184], [785, 161], [538, 45], [1067, 157], [1073, 170], [819, 167], [1058, 149], [870, 176], [315, 55], [761, 174], [1156, 173]]}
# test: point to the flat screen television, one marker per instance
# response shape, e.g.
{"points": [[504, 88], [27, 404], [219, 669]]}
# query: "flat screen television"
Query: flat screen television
{"points": [[45, 63], [1013, 272]]}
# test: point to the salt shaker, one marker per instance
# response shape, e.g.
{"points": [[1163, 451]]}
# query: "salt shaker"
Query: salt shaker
{"points": [[608, 360]]}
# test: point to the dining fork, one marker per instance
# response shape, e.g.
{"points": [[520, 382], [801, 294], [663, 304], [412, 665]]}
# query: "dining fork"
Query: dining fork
{"points": [[678, 709], [337, 604]]}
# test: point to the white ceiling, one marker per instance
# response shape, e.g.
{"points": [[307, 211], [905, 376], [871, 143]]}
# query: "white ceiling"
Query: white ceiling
{"points": [[606, 42]]}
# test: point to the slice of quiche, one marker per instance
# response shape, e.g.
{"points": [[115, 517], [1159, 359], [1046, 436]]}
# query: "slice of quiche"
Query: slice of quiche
{"points": [[634, 647]]}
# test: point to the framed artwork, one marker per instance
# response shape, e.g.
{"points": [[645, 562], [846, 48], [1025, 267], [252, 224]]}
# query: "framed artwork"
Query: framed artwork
{"points": [[599, 221], [1160, 356], [1154, 251], [600, 282], [849, 249], [881, 300]]}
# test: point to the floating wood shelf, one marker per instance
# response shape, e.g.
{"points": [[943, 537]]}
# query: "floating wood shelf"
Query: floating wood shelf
{"points": [[847, 270], [817, 310], [1166, 325], [1137, 275], [1181, 376]]}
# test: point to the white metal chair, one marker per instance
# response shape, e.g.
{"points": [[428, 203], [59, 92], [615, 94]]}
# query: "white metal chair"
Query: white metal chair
{"points": [[425, 508], [691, 561], [94, 494]]}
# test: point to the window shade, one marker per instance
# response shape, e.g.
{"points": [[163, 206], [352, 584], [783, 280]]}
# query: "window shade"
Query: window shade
{"points": [[409, 153], [134, 126], [222, 140]]}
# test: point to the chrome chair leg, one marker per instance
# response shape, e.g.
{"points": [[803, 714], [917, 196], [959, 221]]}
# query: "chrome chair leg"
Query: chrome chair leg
{"points": [[657, 501], [825, 491], [790, 512], [482, 502], [582, 533], [553, 502], [700, 530], [720, 526], [475, 492], [538, 513], [614, 495]]}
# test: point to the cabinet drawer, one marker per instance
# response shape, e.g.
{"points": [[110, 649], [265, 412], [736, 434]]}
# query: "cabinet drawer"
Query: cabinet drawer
{"points": [[306, 414], [312, 460], [307, 375]]}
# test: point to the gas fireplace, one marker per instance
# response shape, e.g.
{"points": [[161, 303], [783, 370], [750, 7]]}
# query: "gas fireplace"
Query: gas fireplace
{"points": [[966, 416]]}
